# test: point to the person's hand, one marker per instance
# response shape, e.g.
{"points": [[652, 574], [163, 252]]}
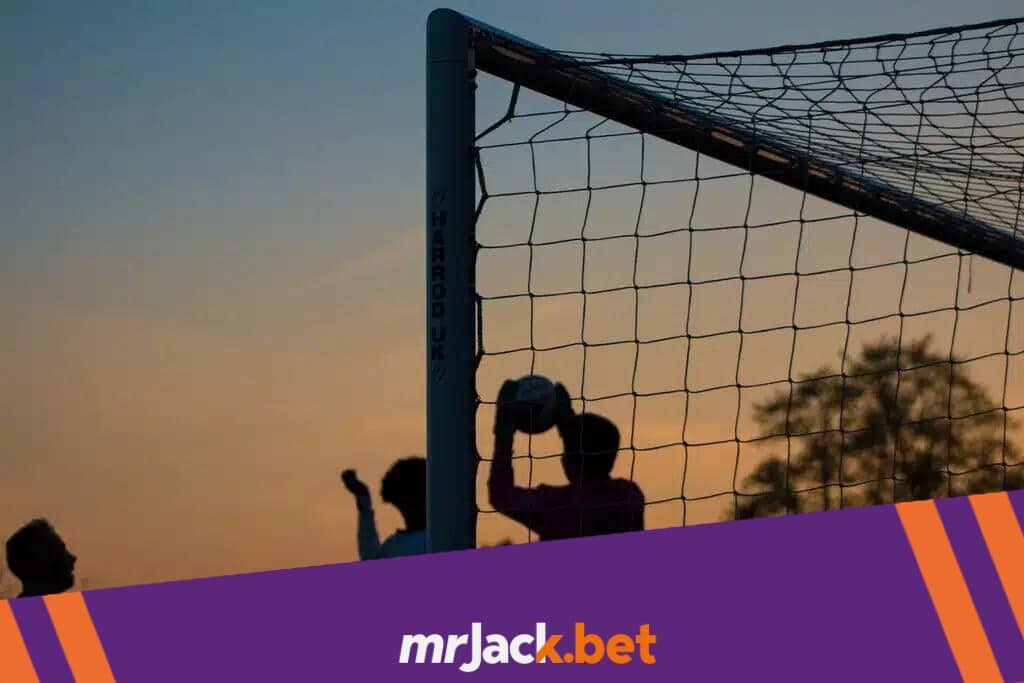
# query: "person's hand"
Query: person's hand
{"points": [[563, 405], [505, 412], [354, 486], [565, 416]]}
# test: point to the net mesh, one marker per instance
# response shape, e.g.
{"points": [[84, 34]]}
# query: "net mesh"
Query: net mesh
{"points": [[937, 115], [762, 350]]}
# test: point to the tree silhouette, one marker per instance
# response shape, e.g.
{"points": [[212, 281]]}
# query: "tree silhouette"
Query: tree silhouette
{"points": [[896, 425]]}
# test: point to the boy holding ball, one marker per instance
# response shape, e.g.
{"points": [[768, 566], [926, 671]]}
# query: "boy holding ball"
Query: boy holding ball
{"points": [[592, 503]]}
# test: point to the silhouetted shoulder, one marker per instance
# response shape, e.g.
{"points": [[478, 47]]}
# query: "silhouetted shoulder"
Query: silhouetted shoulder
{"points": [[627, 491], [632, 504], [403, 544], [545, 495]]}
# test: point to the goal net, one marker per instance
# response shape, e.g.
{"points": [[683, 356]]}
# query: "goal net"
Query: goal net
{"points": [[789, 276]]}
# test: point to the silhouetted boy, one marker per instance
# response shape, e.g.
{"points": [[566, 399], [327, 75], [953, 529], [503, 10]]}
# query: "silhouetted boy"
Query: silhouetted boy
{"points": [[40, 560], [592, 503], [405, 487]]}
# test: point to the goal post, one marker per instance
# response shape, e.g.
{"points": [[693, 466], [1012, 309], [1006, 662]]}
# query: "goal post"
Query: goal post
{"points": [[918, 131], [450, 305]]}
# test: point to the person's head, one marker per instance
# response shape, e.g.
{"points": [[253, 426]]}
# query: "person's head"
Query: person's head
{"points": [[591, 446], [405, 487], [40, 560]]}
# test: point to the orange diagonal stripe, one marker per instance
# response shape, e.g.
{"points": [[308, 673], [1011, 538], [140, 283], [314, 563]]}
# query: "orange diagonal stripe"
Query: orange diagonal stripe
{"points": [[15, 665], [948, 590], [1005, 543], [78, 637]]}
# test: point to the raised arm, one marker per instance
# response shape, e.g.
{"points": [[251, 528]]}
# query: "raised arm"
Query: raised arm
{"points": [[504, 495], [521, 504], [367, 538]]}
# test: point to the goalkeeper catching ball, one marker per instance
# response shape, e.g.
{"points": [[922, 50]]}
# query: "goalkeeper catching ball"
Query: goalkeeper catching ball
{"points": [[592, 503]]}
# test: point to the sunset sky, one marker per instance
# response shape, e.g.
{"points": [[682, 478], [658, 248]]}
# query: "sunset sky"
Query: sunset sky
{"points": [[211, 259]]}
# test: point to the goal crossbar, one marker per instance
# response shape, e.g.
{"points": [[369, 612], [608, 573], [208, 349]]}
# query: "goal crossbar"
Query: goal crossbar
{"points": [[561, 77]]}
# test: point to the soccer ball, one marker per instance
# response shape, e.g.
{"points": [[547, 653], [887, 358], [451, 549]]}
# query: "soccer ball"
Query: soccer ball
{"points": [[535, 398]]}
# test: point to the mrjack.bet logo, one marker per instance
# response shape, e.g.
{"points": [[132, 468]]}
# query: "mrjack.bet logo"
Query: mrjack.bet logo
{"points": [[472, 650]]}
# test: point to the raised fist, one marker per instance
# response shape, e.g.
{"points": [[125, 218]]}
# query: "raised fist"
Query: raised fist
{"points": [[354, 486]]}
